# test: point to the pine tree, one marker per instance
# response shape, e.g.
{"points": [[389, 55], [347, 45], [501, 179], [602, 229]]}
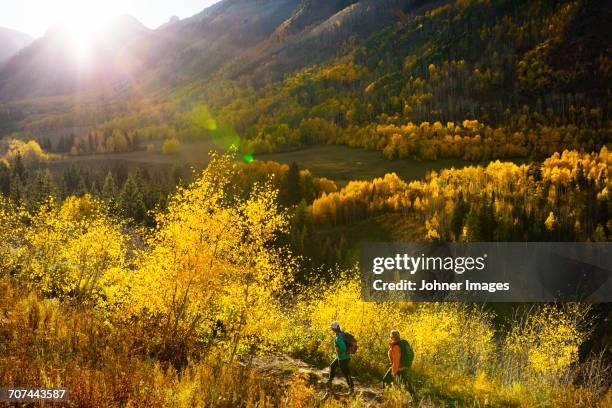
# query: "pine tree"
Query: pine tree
{"points": [[293, 184], [109, 191], [472, 226], [486, 219], [19, 169], [41, 188], [17, 189], [5, 179], [458, 218], [131, 201], [71, 180]]}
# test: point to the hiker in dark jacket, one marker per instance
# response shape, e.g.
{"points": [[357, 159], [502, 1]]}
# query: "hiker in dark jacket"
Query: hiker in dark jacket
{"points": [[342, 360], [400, 356]]}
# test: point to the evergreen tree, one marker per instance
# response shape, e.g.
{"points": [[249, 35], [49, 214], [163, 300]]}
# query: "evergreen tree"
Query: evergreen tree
{"points": [[293, 184], [131, 201], [5, 179], [121, 174], [486, 219], [458, 218], [473, 226], [17, 188], [71, 180], [19, 169], [40, 188], [109, 191]]}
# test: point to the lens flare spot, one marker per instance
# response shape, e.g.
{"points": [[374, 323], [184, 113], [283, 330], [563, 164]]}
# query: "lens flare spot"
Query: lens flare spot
{"points": [[201, 117], [248, 158], [224, 136]]}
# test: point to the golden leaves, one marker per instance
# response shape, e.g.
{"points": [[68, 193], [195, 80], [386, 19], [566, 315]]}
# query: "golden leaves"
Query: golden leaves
{"points": [[211, 257], [74, 251]]}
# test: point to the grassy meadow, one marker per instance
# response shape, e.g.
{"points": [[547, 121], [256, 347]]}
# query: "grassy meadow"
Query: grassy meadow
{"points": [[338, 163]]}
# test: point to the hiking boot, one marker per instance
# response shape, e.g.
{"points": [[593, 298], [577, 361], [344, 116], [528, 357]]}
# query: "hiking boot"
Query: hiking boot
{"points": [[329, 392]]}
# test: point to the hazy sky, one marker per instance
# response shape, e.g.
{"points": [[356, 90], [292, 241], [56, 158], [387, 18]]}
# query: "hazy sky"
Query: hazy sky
{"points": [[36, 16]]}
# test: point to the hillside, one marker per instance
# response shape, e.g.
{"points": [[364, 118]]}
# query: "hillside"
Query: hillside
{"points": [[60, 63], [316, 32], [185, 294], [232, 37], [185, 51], [11, 42], [522, 79], [186, 211], [504, 64]]}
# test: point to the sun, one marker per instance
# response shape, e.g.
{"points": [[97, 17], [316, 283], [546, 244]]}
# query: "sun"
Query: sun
{"points": [[82, 22], [81, 38]]}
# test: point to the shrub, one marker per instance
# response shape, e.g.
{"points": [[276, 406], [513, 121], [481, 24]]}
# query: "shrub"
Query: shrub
{"points": [[171, 146]]}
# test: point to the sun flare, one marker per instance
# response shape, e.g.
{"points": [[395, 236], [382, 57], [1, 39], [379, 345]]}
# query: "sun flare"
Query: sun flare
{"points": [[83, 21], [81, 37]]}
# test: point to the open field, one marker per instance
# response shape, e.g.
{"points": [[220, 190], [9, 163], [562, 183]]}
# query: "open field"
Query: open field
{"points": [[342, 164], [338, 163]]}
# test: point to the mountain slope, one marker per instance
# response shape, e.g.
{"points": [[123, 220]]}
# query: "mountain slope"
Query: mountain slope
{"points": [[431, 79], [194, 48], [54, 64], [318, 31], [11, 42], [465, 73], [266, 39], [181, 52]]}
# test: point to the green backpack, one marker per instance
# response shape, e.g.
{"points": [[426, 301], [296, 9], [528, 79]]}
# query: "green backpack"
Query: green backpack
{"points": [[407, 353]]}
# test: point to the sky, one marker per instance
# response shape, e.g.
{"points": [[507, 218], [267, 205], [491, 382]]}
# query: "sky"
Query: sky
{"points": [[34, 17]]}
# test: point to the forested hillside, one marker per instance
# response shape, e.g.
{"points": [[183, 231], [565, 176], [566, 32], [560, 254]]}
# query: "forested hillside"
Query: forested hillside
{"points": [[475, 80], [469, 74]]}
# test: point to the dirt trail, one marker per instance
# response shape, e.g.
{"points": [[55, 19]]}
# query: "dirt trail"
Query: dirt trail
{"points": [[284, 368]]}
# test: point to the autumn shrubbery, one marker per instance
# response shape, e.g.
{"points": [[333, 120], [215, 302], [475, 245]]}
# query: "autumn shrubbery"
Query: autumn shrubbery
{"points": [[171, 146], [172, 316], [50, 344], [30, 151]]}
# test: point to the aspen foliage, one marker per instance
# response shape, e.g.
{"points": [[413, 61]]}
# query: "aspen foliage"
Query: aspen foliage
{"points": [[11, 235], [210, 263], [504, 200], [29, 151], [74, 251], [171, 146], [546, 342]]}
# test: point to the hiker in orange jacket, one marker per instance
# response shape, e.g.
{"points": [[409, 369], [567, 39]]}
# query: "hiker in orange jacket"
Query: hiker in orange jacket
{"points": [[400, 356]]}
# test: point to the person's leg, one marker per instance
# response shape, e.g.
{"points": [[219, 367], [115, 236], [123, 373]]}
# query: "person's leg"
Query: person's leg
{"points": [[402, 378], [409, 383], [388, 378], [344, 366], [332, 371]]}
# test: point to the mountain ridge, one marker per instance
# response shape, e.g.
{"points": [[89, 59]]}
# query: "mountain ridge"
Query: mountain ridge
{"points": [[53, 64], [11, 42], [235, 35]]}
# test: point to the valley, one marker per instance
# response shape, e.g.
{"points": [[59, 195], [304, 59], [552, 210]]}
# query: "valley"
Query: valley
{"points": [[338, 163]]}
